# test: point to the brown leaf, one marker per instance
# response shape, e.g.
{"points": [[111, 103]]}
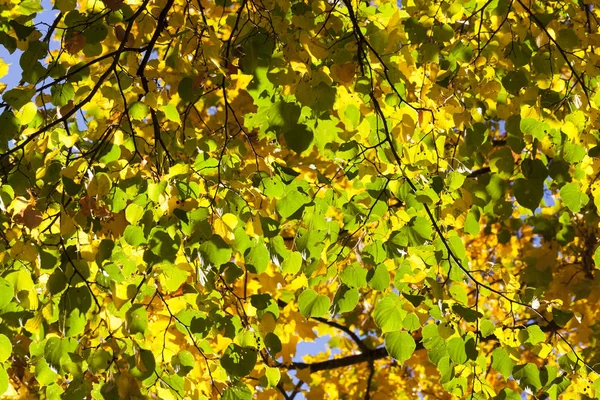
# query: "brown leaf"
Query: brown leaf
{"points": [[32, 218], [75, 43], [66, 108], [120, 34], [114, 5], [231, 69]]}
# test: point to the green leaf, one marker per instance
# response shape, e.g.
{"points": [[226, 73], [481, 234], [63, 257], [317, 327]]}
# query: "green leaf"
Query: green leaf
{"points": [[112, 153], [533, 127], [239, 361], [472, 224], [273, 343], [271, 378], [61, 94], [28, 113], [345, 300], [21, 30], [7, 292], [459, 294], [411, 322], [172, 277], [3, 380], [44, 374], [562, 317], [443, 33], [183, 362], [400, 345], [353, 114], [558, 386], [171, 113], [56, 348], [162, 245], [455, 180], [502, 162], [416, 32], [388, 313], [462, 52], [5, 348], [186, 90], [134, 235], [456, 350], [100, 185], [573, 153], [94, 33], [292, 264], [312, 304], [573, 197], [514, 81], [486, 327], [528, 192], [257, 259], [215, 251], [568, 39], [354, 276], [239, 391], [137, 320], [138, 110], [457, 247], [298, 137], [133, 213], [379, 278], [99, 360], [535, 335], [528, 377], [292, 203], [501, 362]]}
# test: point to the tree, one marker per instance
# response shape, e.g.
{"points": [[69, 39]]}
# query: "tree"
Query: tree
{"points": [[189, 189]]}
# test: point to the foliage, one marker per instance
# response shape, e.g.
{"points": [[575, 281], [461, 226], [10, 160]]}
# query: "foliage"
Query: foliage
{"points": [[191, 189]]}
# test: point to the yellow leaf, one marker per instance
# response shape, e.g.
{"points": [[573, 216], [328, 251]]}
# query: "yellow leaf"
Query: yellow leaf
{"points": [[304, 375], [230, 220], [24, 251], [569, 129], [100, 185], [3, 68], [33, 324]]}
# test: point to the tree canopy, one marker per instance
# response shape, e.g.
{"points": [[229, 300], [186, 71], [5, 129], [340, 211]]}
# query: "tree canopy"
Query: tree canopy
{"points": [[191, 190]]}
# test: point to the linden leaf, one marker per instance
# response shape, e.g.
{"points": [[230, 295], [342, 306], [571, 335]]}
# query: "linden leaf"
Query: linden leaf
{"points": [[5, 348], [292, 203], [171, 113], [389, 313], [137, 320], [7, 292], [528, 192], [239, 361], [312, 304], [400, 345], [573, 197]]}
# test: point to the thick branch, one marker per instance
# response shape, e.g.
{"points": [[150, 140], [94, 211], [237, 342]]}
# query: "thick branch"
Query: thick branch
{"points": [[379, 353], [361, 345], [371, 355]]}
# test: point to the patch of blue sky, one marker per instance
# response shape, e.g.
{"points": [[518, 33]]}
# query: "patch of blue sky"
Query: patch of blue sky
{"points": [[41, 20]]}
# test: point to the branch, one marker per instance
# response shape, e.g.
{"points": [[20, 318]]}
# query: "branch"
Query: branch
{"points": [[162, 23], [379, 353], [479, 172], [563, 53], [78, 106], [361, 345], [370, 355]]}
